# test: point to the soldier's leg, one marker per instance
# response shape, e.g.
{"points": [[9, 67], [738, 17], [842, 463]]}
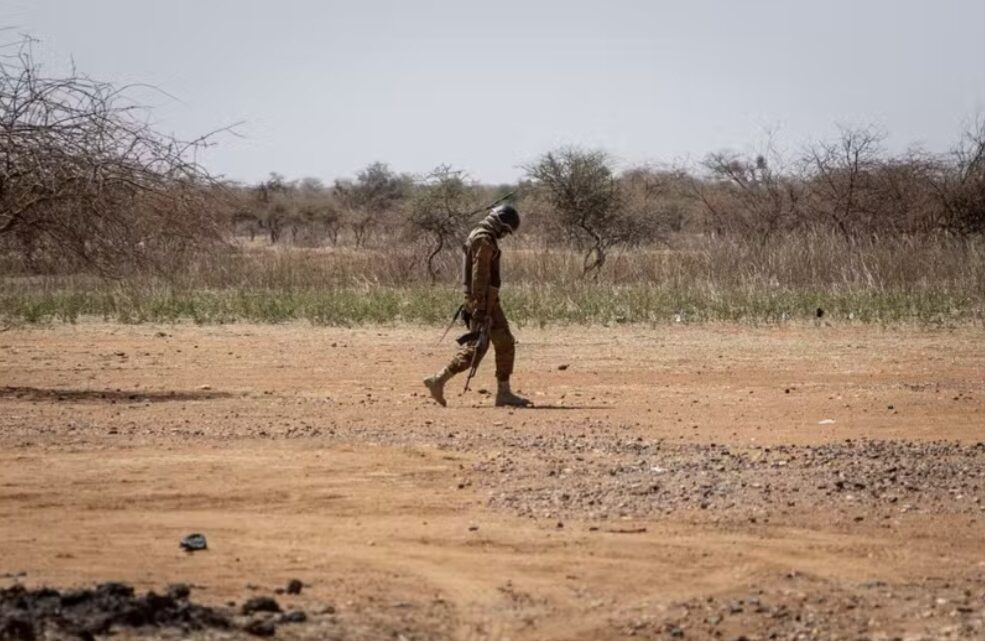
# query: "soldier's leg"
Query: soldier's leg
{"points": [[505, 345], [503, 342], [459, 363], [463, 358]]}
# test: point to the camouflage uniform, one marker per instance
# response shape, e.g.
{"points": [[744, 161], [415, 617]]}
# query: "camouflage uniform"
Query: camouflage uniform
{"points": [[481, 279]]}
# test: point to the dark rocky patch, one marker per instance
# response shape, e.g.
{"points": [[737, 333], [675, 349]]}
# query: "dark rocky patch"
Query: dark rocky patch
{"points": [[26, 615], [586, 476]]}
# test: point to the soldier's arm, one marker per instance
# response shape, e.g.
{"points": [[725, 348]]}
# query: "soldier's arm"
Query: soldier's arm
{"points": [[482, 258]]}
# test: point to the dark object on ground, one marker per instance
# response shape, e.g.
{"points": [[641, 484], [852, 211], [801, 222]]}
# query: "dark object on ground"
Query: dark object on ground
{"points": [[194, 543], [294, 616], [294, 586], [26, 615], [261, 604], [260, 628], [179, 591]]}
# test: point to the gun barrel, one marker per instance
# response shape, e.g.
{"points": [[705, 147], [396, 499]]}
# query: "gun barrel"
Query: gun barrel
{"points": [[480, 347]]}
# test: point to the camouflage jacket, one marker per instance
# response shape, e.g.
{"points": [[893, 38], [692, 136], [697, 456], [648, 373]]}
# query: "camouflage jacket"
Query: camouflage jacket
{"points": [[480, 268]]}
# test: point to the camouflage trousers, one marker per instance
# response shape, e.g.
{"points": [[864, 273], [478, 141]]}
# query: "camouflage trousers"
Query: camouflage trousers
{"points": [[502, 341]]}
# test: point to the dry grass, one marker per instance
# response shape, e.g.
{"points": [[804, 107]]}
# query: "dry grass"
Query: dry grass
{"points": [[930, 280]]}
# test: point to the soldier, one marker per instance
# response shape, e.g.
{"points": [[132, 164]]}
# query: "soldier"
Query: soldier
{"points": [[481, 278]]}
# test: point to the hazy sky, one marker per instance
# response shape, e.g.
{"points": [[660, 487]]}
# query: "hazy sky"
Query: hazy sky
{"points": [[326, 87]]}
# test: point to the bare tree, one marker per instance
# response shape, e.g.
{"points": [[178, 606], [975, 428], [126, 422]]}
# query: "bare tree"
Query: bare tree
{"points": [[749, 195], [841, 175], [959, 183], [903, 200], [440, 208], [85, 178]]}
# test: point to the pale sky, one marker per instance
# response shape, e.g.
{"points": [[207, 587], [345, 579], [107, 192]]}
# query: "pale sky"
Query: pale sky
{"points": [[324, 88]]}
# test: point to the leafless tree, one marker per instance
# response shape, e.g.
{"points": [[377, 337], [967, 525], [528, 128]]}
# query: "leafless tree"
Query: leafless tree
{"points": [[959, 183], [752, 196], [86, 179], [440, 208], [903, 199], [842, 179]]}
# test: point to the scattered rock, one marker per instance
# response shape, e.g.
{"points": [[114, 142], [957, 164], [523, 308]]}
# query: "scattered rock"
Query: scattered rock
{"points": [[294, 586], [194, 543], [260, 628], [294, 616], [260, 604], [46, 612]]}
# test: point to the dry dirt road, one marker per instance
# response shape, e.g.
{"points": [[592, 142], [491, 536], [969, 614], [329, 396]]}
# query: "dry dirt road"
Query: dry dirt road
{"points": [[713, 482]]}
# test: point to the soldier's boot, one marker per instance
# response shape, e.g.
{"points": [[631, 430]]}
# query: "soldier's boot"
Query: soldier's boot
{"points": [[506, 398], [436, 385]]}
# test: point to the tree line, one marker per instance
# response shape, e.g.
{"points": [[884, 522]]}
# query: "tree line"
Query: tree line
{"points": [[849, 186], [87, 184]]}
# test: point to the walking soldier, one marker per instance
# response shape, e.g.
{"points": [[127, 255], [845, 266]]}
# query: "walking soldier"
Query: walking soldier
{"points": [[482, 310]]}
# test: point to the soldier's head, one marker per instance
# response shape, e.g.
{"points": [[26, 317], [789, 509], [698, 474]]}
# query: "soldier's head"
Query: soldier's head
{"points": [[505, 219]]}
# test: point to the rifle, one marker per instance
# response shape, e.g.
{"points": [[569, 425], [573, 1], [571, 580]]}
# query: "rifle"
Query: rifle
{"points": [[490, 205], [454, 317], [480, 348], [466, 317]]}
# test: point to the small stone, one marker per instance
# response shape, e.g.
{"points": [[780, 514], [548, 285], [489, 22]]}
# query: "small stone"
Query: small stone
{"points": [[294, 586], [261, 604], [194, 542], [260, 628], [294, 616]]}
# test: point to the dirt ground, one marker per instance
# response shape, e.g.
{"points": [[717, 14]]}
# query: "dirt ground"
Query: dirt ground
{"points": [[808, 482]]}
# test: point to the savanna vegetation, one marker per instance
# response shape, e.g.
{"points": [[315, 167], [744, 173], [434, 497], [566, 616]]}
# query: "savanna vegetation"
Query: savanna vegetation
{"points": [[103, 216]]}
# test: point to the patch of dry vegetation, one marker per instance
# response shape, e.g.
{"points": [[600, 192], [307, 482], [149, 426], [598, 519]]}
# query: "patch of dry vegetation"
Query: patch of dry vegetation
{"points": [[102, 216], [927, 280]]}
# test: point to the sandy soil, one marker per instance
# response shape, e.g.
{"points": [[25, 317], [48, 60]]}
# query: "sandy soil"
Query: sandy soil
{"points": [[676, 482]]}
